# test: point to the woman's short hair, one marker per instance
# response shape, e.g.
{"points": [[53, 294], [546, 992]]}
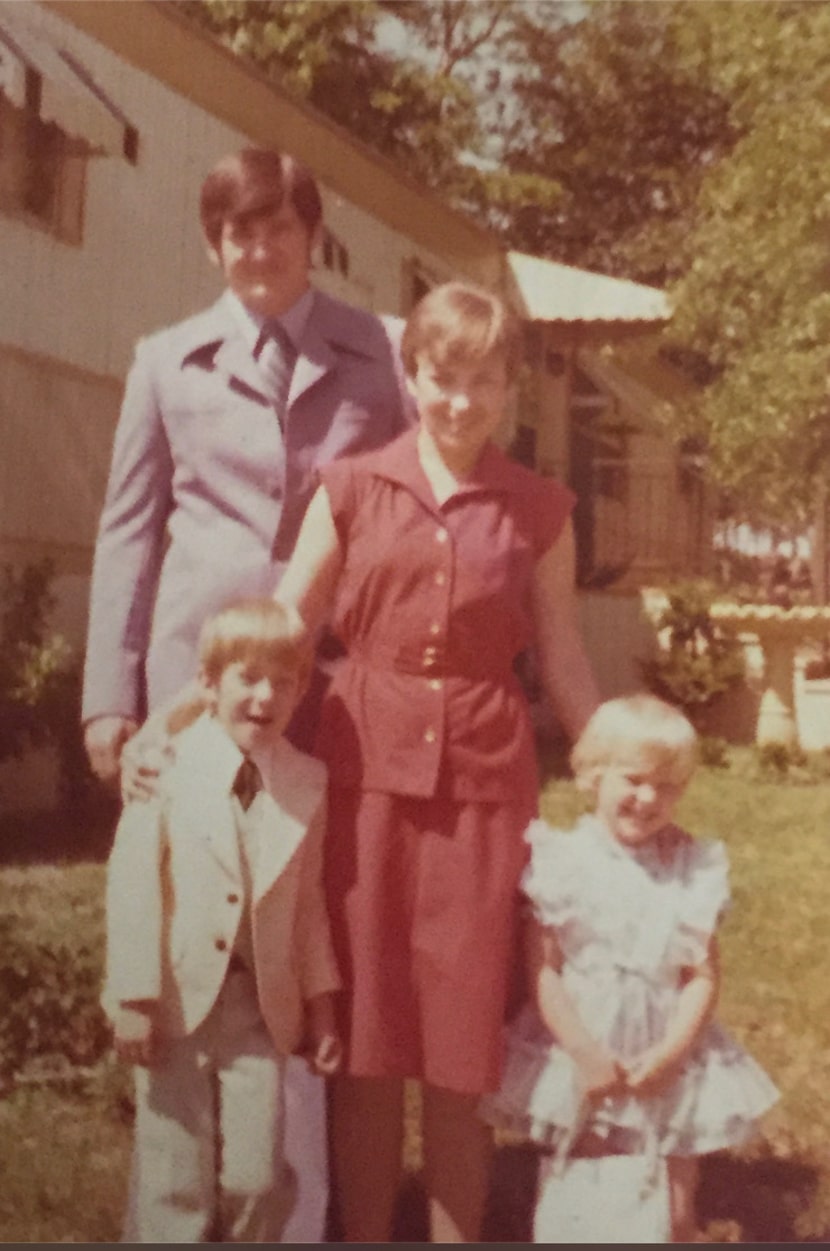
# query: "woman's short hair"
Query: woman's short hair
{"points": [[638, 730], [256, 180], [459, 321], [254, 630]]}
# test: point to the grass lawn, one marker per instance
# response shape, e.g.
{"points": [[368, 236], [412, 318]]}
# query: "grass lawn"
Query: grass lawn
{"points": [[64, 1143]]}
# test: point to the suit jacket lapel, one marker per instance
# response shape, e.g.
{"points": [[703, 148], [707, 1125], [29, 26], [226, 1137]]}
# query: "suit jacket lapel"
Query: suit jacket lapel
{"points": [[277, 835], [209, 767], [234, 361], [215, 341], [284, 824], [316, 358]]}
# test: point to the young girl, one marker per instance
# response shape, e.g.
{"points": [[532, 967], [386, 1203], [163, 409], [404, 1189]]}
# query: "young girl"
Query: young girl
{"points": [[618, 1054]]}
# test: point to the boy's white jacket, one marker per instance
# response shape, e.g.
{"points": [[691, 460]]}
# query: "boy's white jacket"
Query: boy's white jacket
{"points": [[174, 888]]}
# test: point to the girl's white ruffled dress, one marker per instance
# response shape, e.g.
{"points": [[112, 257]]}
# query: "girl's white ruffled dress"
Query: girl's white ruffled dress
{"points": [[628, 921]]}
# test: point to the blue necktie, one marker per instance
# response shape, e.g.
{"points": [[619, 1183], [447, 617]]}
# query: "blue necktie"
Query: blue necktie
{"points": [[277, 357]]}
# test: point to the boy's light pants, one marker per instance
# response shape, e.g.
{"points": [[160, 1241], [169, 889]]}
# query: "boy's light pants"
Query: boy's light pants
{"points": [[306, 1152], [208, 1161]]}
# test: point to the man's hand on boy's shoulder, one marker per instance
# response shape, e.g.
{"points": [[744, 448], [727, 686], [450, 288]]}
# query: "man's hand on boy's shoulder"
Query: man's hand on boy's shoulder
{"points": [[143, 761], [135, 1037], [104, 740]]}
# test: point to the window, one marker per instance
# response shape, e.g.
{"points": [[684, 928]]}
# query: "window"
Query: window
{"points": [[53, 118], [417, 280], [335, 254], [42, 171]]}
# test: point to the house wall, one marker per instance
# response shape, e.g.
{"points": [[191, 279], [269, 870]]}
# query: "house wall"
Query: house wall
{"points": [[70, 315], [141, 263], [659, 519], [617, 638]]}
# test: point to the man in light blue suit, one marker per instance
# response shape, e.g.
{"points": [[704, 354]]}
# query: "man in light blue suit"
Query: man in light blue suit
{"points": [[212, 471]]}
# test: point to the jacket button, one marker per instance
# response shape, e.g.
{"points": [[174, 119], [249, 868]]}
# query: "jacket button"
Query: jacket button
{"points": [[232, 898], [220, 944]]}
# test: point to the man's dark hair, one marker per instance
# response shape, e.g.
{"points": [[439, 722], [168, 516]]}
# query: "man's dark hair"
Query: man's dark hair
{"points": [[257, 180]]}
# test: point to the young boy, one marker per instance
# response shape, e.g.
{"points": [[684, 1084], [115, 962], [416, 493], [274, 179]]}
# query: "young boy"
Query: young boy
{"points": [[219, 959]]}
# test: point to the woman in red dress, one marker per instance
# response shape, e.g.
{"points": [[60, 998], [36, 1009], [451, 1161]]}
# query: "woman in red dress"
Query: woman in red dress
{"points": [[437, 560]]}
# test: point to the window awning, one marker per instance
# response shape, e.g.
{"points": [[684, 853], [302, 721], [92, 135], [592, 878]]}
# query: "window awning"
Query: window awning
{"points": [[549, 291], [34, 72]]}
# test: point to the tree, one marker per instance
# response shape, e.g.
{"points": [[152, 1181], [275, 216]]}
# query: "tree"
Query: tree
{"points": [[753, 307], [689, 142], [415, 105], [676, 143], [615, 130]]}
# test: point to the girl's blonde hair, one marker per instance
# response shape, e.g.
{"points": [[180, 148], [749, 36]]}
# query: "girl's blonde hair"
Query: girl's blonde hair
{"points": [[635, 729], [255, 630], [459, 321]]}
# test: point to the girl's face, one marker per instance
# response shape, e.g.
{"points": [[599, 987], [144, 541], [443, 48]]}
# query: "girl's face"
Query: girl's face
{"points": [[635, 800], [461, 405]]}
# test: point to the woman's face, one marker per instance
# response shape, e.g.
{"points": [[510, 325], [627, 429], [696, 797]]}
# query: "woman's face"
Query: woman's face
{"points": [[461, 404]]}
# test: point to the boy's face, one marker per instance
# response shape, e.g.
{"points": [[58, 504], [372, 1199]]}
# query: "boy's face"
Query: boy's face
{"points": [[461, 404], [636, 801], [253, 700], [265, 256]]}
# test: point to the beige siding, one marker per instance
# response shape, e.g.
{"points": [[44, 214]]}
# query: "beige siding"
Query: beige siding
{"points": [[141, 263], [57, 425], [617, 637]]}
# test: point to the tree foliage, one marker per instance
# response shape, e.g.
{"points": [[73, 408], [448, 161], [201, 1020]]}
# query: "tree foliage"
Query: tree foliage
{"points": [[753, 304], [677, 143], [605, 115], [415, 104], [689, 142]]}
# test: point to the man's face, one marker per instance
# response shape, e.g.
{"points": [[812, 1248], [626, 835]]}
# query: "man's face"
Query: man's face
{"points": [[265, 255]]}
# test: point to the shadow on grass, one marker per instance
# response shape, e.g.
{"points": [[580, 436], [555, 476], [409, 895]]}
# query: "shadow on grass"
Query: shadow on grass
{"points": [[72, 834], [761, 1198], [739, 1200]]}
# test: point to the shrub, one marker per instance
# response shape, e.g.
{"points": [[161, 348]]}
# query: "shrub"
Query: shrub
{"points": [[697, 663], [39, 684], [49, 1004], [713, 752], [779, 758], [30, 658]]}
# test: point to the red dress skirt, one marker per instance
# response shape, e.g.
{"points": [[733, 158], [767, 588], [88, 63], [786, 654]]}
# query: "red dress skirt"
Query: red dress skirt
{"points": [[422, 899]]}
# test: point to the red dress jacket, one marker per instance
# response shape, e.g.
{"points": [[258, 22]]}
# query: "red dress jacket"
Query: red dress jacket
{"points": [[433, 608]]}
